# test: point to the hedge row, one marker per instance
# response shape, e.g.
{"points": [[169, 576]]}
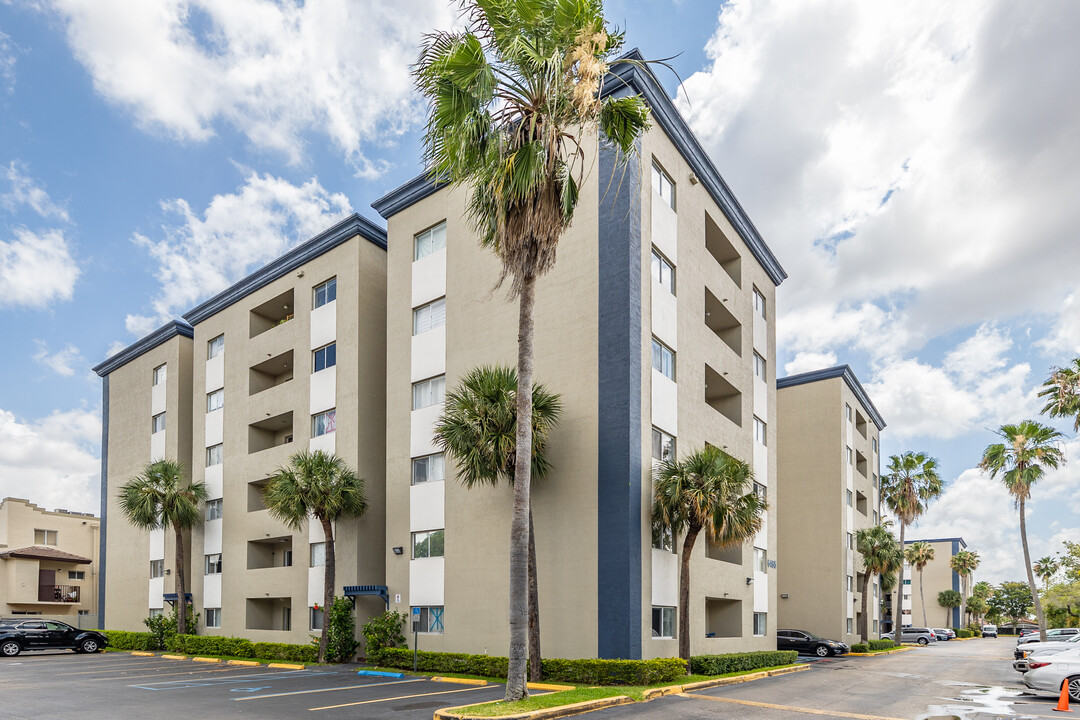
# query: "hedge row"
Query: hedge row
{"points": [[881, 644], [124, 640], [964, 633], [580, 672], [740, 662], [241, 647], [860, 648]]}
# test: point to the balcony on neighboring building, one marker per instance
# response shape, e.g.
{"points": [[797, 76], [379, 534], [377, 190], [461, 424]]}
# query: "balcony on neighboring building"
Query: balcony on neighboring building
{"points": [[273, 312], [271, 432], [59, 593]]}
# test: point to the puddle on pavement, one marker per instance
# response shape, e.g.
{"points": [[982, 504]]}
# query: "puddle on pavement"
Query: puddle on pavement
{"points": [[978, 703]]}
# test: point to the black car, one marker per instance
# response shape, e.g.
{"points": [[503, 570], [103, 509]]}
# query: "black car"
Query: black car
{"points": [[807, 643], [47, 635]]}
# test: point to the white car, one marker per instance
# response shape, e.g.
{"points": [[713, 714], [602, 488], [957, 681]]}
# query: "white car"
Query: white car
{"points": [[1024, 652], [1051, 635], [1047, 673]]}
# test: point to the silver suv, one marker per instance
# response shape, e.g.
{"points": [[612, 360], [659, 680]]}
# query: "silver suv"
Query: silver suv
{"points": [[921, 635]]}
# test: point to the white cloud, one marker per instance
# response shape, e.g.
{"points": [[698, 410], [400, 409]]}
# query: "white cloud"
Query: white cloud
{"points": [[1064, 336], [807, 361], [36, 269], [7, 63], [62, 362], [26, 192], [208, 251], [274, 71], [114, 347], [52, 461]]}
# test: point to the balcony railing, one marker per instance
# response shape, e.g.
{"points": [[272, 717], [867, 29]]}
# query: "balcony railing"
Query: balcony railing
{"points": [[58, 593]]}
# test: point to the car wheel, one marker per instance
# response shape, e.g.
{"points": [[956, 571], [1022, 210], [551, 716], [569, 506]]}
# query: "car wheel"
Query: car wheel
{"points": [[10, 648], [89, 645], [924, 641], [1074, 688], [822, 651]]}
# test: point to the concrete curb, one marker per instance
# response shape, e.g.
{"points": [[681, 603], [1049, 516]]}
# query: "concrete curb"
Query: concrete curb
{"points": [[206, 659], [245, 663], [458, 681], [882, 652], [545, 713], [286, 666], [140, 653], [737, 679]]}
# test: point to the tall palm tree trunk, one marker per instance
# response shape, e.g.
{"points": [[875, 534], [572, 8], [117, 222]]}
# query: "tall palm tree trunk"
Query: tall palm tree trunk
{"points": [[684, 591], [963, 599], [519, 525], [1030, 576], [864, 623], [922, 599], [898, 608], [181, 583], [329, 580], [535, 662]]}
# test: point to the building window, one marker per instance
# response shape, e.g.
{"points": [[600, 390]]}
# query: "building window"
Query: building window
{"points": [[318, 554], [875, 626], [850, 584], [761, 491], [323, 423], [875, 480], [213, 510], [159, 374], [428, 317], [850, 456], [286, 558], [324, 357], [215, 347], [431, 468], [663, 272], [847, 412], [760, 624], [663, 359], [213, 617], [663, 186], [315, 618], [760, 431], [215, 400], [428, 392], [849, 497], [214, 455], [325, 293], [759, 367], [873, 443], [213, 564], [429, 619], [761, 560], [759, 303], [157, 568], [849, 623], [850, 541], [877, 518], [662, 538], [430, 241], [76, 574], [428, 544], [663, 622], [45, 537], [157, 424], [663, 445], [154, 612]]}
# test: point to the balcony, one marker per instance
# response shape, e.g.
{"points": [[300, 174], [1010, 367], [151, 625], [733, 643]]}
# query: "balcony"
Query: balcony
{"points": [[273, 312], [270, 553], [271, 432], [723, 251], [270, 373], [723, 323], [59, 593], [722, 396]]}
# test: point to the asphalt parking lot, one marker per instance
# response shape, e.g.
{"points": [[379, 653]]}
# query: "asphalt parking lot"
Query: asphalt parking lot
{"points": [[119, 685]]}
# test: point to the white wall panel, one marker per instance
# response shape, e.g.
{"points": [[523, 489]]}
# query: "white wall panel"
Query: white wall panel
{"points": [[315, 531], [157, 544], [665, 316], [215, 427], [315, 579], [212, 590], [155, 592], [761, 592], [761, 463], [212, 538], [429, 278], [157, 446], [665, 225], [326, 443], [323, 325], [426, 581], [214, 480], [323, 394], [426, 505], [665, 403], [761, 399], [422, 429], [665, 578], [761, 335], [157, 399], [429, 354], [215, 372]]}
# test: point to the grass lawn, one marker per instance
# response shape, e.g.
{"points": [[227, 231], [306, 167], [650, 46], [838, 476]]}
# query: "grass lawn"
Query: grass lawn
{"points": [[224, 658]]}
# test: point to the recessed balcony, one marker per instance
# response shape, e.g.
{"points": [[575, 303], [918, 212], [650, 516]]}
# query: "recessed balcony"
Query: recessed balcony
{"points": [[271, 432], [273, 312], [270, 373], [722, 250], [720, 320], [722, 396]]}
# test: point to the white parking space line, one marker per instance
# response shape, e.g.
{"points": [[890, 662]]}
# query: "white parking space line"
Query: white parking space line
{"points": [[209, 682], [330, 689], [406, 697]]}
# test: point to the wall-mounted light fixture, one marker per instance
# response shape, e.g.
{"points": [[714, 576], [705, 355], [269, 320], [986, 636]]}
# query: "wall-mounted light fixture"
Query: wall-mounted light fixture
{"points": [[399, 550], [168, 571], [749, 581], [784, 595]]}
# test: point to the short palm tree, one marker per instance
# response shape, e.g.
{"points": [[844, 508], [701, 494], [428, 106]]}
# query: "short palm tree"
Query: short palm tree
{"points": [[982, 591], [880, 555], [162, 497], [977, 606], [513, 102], [1062, 393], [1045, 568], [707, 491], [1028, 451], [949, 599], [919, 554], [319, 485], [963, 564], [478, 430], [911, 483]]}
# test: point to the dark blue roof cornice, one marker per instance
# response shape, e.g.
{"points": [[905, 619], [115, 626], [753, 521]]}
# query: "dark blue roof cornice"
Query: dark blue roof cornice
{"points": [[840, 371], [328, 239], [162, 334], [937, 540], [629, 77]]}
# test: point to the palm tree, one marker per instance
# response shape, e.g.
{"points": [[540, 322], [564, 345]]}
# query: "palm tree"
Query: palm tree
{"points": [[963, 564], [513, 99], [1029, 450], [880, 555], [478, 430], [982, 591], [1062, 393], [1045, 568], [977, 606], [708, 491], [319, 485], [949, 599], [912, 482], [919, 554], [161, 497]]}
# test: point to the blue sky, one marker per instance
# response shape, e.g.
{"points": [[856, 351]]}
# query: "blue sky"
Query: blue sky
{"points": [[913, 169]]}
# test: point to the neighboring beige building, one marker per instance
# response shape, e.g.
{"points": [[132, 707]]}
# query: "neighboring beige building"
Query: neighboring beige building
{"points": [[48, 563], [827, 490], [938, 575]]}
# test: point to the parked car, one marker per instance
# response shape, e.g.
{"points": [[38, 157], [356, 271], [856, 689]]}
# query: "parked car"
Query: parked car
{"points": [[921, 635], [1047, 673], [807, 643], [989, 631], [1052, 634], [1035, 648], [944, 633], [48, 635]]}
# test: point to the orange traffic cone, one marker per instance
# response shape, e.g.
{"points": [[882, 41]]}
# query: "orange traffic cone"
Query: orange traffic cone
{"points": [[1063, 701]]}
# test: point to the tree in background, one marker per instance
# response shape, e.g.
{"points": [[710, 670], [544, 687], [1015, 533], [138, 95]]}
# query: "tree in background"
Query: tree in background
{"points": [[977, 607], [919, 554], [1062, 393], [981, 591], [887, 582], [949, 599], [162, 496], [964, 564], [513, 101], [1046, 568], [880, 553], [911, 483], [1029, 450], [1012, 600]]}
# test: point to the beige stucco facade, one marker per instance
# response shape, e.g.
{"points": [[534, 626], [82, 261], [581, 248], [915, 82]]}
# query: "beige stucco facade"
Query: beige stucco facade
{"points": [[937, 576], [48, 562], [829, 470]]}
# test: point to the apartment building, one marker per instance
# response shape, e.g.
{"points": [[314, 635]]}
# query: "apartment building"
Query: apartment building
{"points": [[828, 478], [937, 576], [291, 357], [657, 328], [48, 563]]}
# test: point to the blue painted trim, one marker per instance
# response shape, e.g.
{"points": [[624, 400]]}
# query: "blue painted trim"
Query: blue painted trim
{"points": [[956, 582], [353, 591], [166, 332], [405, 195], [618, 596], [305, 252], [840, 371], [381, 674], [104, 500], [935, 540]]}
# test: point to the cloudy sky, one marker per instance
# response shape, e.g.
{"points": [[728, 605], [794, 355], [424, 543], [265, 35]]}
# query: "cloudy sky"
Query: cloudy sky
{"points": [[912, 165]]}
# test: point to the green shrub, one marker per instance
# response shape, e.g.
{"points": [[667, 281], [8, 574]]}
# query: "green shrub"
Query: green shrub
{"points": [[581, 672], [163, 627], [242, 647], [740, 662], [383, 631], [860, 648], [965, 633], [881, 644], [124, 640], [286, 652], [341, 632]]}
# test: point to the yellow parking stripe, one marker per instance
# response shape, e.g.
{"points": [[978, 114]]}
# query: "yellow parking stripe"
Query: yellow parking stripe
{"points": [[404, 697], [808, 711]]}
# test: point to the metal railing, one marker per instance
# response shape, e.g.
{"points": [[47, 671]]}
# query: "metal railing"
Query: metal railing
{"points": [[58, 593]]}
